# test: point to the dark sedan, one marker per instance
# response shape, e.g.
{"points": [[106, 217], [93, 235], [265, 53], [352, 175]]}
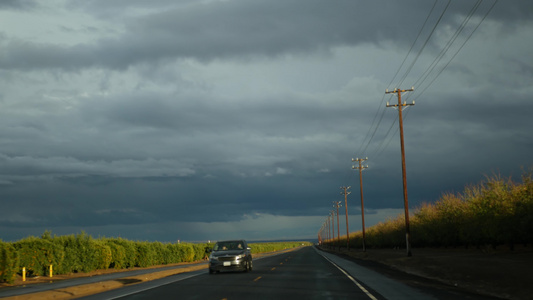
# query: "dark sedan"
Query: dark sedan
{"points": [[234, 255]]}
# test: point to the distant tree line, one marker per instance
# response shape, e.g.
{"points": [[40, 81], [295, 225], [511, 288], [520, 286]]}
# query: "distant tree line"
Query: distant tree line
{"points": [[495, 212]]}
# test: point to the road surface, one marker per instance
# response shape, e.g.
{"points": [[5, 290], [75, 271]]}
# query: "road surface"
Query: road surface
{"points": [[306, 273]]}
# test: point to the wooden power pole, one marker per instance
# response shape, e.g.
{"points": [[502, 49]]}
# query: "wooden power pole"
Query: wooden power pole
{"points": [[361, 168], [346, 193], [336, 204], [400, 107], [332, 214]]}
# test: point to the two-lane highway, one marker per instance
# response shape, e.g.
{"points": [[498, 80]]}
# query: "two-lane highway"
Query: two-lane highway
{"points": [[306, 273], [300, 274]]}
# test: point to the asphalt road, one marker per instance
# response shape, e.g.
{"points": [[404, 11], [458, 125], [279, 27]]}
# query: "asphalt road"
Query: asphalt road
{"points": [[302, 274]]}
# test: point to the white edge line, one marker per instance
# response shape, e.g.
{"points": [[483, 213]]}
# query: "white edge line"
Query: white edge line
{"points": [[351, 278]]}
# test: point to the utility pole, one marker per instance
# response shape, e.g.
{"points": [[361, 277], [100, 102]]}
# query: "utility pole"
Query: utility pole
{"points": [[346, 193], [400, 107], [321, 234], [336, 204], [361, 168], [332, 214], [327, 228]]}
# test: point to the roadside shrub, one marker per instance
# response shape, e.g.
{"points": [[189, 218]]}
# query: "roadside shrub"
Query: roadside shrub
{"points": [[81, 253], [388, 234], [161, 254], [118, 255], [186, 252], [200, 251], [9, 262], [524, 211], [144, 255], [130, 252], [72, 262], [37, 254], [104, 255]]}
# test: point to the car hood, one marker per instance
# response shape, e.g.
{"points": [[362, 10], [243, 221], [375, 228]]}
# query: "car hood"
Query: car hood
{"points": [[227, 253]]}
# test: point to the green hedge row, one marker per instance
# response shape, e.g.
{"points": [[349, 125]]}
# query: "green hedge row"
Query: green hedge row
{"points": [[275, 246], [8, 262], [82, 253]]}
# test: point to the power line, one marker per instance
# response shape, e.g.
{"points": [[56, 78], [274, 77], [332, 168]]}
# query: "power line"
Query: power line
{"points": [[424, 45], [461, 47], [422, 79], [448, 45], [373, 129], [386, 139], [412, 45]]}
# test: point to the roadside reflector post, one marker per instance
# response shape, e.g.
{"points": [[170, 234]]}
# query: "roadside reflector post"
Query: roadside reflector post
{"points": [[24, 274], [51, 271]]}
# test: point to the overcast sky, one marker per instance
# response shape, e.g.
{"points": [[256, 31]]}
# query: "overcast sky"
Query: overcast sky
{"points": [[211, 119]]}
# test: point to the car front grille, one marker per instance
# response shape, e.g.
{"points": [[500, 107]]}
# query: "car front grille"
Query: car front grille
{"points": [[226, 258]]}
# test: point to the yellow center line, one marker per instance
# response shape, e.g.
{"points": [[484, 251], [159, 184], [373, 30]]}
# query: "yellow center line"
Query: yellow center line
{"points": [[273, 269], [257, 278]]}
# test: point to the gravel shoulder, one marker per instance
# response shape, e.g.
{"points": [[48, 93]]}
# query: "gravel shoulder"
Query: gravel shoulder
{"points": [[500, 273]]}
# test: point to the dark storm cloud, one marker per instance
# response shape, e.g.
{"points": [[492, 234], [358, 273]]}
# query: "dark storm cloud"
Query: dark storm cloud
{"points": [[276, 115], [231, 29], [87, 201], [196, 116], [18, 4]]}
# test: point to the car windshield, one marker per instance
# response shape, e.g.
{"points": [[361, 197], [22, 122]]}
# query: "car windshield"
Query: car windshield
{"points": [[223, 246]]}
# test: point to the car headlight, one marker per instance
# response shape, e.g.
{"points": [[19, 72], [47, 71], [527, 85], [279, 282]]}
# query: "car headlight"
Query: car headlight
{"points": [[241, 256]]}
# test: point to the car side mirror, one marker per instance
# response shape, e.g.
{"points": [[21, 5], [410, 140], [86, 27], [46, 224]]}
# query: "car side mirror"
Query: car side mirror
{"points": [[248, 248]]}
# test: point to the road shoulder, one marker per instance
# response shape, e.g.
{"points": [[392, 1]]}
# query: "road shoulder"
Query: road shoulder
{"points": [[502, 273]]}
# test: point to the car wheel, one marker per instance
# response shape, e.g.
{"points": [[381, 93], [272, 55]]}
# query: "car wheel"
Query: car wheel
{"points": [[211, 271], [249, 265]]}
